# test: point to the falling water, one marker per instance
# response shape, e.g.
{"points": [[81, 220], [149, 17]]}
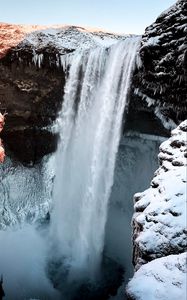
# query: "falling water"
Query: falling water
{"points": [[90, 127]]}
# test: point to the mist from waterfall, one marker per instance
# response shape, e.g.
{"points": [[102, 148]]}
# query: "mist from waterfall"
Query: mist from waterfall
{"points": [[96, 92]]}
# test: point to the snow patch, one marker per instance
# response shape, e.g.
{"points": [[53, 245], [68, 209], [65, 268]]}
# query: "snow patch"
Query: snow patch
{"points": [[162, 279], [152, 41], [69, 37]]}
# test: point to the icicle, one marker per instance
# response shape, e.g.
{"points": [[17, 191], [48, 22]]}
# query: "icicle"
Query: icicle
{"points": [[37, 59], [57, 61], [40, 60]]}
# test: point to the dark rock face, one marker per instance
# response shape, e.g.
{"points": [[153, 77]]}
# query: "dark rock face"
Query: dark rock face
{"points": [[32, 96], [29, 145], [160, 82]]}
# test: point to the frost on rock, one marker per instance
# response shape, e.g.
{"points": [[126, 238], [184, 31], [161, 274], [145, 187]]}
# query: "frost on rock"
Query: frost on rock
{"points": [[159, 222], [69, 38], [52, 43], [39, 44], [162, 74], [152, 41], [163, 278], [61, 40], [19, 204], [159, 225]]}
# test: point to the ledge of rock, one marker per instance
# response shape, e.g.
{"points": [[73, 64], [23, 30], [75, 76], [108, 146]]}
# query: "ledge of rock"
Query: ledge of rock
{"points": [[160, 81], [159, 221]]}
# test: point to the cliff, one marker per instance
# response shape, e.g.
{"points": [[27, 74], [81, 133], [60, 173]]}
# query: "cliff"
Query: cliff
{"points": [[32, 80], [160, 82], [159, 223]]}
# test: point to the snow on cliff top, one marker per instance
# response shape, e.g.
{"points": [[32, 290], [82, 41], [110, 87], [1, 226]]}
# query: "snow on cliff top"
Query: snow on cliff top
{"points": [[57, 36], [69, 37]]}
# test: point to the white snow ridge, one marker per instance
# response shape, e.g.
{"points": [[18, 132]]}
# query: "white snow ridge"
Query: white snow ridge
{"points": [[69, 38]]}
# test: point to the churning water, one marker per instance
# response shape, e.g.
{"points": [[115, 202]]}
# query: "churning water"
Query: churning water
{"points": [[96, 92]]}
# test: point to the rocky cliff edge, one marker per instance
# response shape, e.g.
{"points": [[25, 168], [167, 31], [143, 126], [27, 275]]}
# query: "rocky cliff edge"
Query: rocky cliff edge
{"points": [[159, 226]]}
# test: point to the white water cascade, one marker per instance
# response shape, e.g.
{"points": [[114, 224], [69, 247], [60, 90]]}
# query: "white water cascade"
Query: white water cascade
{"points": [[90, 129]]}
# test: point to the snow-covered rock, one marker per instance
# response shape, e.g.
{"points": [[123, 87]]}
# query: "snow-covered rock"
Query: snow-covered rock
{"points": [[162, 75], [50, 45], [163, 279], [60, 38], [159, 226], [69, 38], [159, 222]]}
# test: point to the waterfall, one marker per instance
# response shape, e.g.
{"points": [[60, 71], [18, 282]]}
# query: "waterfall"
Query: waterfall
{"points": [[90, 127]]}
